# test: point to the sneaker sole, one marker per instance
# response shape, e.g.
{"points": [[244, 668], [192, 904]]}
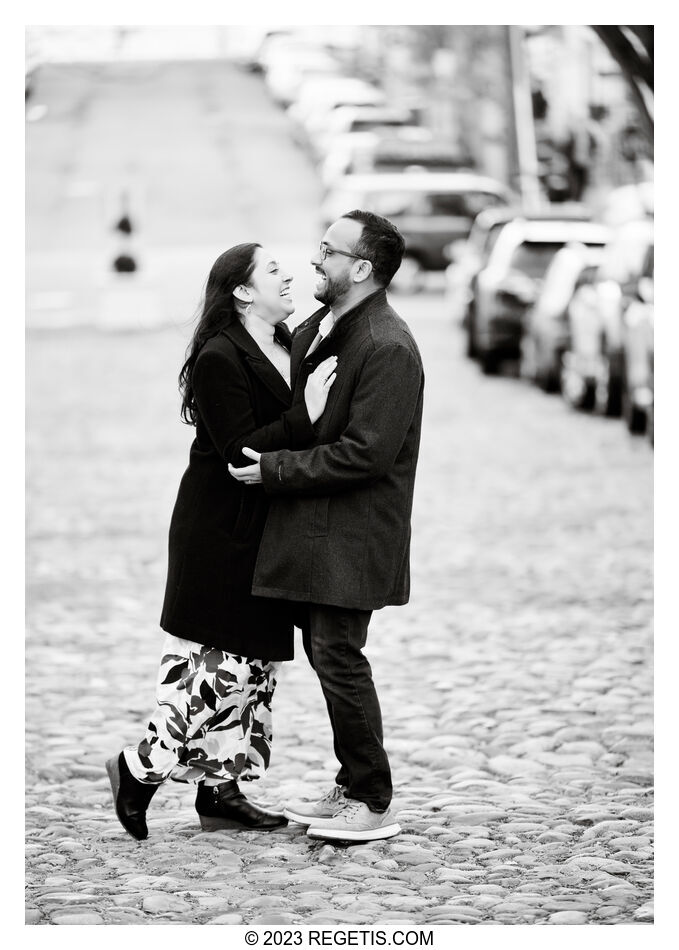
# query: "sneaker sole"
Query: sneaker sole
{"points": [[304, 819], [336, 834]]}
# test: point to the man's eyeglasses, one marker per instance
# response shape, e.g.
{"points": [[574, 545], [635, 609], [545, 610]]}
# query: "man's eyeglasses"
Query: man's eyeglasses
{"points": [[325, 249]]}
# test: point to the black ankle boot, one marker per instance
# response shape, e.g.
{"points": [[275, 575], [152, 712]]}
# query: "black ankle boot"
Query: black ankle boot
{"points": [[130, 797], [225, 806]]}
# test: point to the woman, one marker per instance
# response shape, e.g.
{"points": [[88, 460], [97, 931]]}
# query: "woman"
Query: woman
{"points": [[224, 647]]}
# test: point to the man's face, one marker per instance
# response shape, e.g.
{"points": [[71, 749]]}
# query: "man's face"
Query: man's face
{"points": [[336, 272]]}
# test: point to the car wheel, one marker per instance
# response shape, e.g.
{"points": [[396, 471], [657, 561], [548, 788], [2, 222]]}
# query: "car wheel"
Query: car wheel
{"points": [[527, 358], [608, 391], [408, 278], [589, 397], [635, 418], [549, 379], [471, 349], [538, 365], [489, 362], [577, 391]]}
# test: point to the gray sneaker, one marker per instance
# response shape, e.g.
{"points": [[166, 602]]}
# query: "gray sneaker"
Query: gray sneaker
{"points": [[355, 822], [306, 812]]}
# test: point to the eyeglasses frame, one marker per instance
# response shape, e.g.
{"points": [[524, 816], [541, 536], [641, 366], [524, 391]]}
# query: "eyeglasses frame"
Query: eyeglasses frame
{"points": [[324, 248]]}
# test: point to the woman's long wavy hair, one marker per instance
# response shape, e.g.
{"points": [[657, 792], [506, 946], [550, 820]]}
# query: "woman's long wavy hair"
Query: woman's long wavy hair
{"points": [[218, 310]]}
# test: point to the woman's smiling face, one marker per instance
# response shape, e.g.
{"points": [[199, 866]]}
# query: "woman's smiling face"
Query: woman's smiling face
{"points": [[269, 288]]}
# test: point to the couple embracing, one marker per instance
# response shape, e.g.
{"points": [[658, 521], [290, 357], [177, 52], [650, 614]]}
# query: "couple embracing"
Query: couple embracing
{"points": [[294, 511]]}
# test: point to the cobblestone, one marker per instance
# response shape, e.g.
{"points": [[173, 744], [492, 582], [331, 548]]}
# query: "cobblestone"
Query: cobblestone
{"points": [[522, 781], [516, 687]]}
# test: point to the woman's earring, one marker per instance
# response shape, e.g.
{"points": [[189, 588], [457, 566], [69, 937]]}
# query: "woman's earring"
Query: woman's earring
{"points": [[248, 309]]}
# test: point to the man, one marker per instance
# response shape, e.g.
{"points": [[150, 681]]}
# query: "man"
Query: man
{"points": [[337, 536]]}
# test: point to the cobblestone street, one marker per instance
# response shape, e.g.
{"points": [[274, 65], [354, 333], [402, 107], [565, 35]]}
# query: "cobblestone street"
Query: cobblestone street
{"points": [[516, 685]]}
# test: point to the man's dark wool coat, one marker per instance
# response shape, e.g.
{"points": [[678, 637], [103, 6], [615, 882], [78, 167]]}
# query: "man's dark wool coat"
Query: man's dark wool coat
{"points": [[217, 522], [338, 528]]}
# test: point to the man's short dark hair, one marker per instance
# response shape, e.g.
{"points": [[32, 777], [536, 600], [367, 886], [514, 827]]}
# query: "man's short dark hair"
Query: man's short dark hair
{"points": [[380, 242]]}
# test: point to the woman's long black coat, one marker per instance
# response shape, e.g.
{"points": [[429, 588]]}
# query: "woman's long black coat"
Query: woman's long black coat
{"points": [[217, 522]]}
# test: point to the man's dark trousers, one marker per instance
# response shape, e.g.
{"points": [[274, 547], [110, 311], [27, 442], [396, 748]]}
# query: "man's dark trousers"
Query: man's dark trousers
{"points": [[333, 639]]}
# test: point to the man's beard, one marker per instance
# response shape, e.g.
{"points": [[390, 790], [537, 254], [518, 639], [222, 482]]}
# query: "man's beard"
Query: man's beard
{"points": [[333, 289]]}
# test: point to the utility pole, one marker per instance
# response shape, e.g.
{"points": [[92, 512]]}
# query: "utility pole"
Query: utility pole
{"points": [[522, 120]]}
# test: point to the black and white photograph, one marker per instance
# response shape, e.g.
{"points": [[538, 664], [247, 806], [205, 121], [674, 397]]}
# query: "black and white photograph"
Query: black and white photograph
{"points": [[339, 476]]}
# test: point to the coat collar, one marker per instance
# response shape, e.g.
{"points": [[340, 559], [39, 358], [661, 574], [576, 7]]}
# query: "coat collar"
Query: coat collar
{"points": [[377, 298], [301, 340], [305, 332], [261, 366]]}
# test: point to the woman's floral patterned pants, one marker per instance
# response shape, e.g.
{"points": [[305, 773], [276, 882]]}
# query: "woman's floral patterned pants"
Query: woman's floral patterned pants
{"points": [[213, 718]]}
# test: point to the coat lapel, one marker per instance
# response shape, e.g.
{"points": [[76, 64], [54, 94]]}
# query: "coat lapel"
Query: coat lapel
{"points": [[301, 341], [261, 366], [303, 334]]}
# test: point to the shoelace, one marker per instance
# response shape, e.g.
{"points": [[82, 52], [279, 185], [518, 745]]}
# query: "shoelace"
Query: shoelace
{"points": [[335, 796], [349, 809]]}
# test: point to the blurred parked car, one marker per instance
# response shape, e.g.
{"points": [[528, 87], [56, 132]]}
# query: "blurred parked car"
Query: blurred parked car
{"points": [[364, 118], [318, 97], [545, 335], [283, 46], [592, 365], [274, 44], [248, 44], [511, 279], [389, 149], [469, 257], [288, 70], [430, 209], [353, 153], [637, 353], [407, 152]]}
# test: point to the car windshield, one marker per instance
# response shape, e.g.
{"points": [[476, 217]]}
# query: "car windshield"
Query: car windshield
{"points": [[533, 257], [366, 125], [431, 204], [421, 164]]}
